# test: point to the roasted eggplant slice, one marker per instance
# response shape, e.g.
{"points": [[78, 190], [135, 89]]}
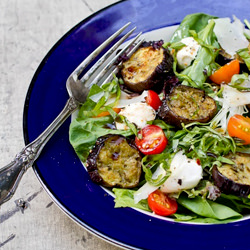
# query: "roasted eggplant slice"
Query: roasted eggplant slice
{"points": [[114, 161], [186, 104], [235, 178], [146, 67]]}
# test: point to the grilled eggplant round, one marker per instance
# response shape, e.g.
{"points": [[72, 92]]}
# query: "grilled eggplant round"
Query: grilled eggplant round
{"points": [[185, 105], [146, 68], [235, 178], [114, 161]]}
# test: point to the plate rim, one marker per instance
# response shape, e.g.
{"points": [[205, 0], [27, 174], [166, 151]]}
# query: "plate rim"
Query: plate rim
{"points": [[26, 137]]}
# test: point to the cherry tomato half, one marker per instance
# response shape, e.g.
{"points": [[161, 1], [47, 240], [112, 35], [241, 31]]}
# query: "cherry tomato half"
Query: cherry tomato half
{"points": [[161, 204], [153, 99], [239, 126], [225, 73], [151, 140]]}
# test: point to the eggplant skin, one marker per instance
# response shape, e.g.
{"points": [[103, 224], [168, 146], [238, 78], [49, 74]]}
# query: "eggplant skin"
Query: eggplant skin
{"points": [[185, 105], [114, 161], [147, 67], [248, 107], [234, 179]]}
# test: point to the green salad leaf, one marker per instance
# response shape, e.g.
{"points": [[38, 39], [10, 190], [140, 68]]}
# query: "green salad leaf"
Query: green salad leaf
{"points": [[196, 219], [204, 62], [98, 97], [196, 22], [125, 198], [196, 74], [204, 143], [207, 208], [86, 128], [245, 55], [239, 204], [83, 133], [248, 26], [238, 81], [151, 162]]}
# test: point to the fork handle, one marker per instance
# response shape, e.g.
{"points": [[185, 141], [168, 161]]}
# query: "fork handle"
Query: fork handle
{"points": [[11, 174]]}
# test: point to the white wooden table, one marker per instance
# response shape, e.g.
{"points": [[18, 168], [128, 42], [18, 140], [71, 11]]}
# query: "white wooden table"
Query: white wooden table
{"points": [[26, 34]]}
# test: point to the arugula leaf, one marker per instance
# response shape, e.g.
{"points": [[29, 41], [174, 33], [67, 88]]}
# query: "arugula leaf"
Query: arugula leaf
{"points": [[125, 198], [204, 143], [243, 149]]}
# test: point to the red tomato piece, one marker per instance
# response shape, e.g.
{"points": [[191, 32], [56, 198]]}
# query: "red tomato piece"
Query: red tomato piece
{"points": [[153, 99], [151, 140], [161, 204], [239, 126]]}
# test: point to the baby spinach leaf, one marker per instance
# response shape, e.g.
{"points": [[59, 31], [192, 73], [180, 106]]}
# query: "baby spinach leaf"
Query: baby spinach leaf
{"points": [[196, 22], [207, 208], [239, 204]]}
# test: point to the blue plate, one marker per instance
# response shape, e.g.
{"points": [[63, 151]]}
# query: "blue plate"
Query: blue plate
{"points": [[60, 171]]}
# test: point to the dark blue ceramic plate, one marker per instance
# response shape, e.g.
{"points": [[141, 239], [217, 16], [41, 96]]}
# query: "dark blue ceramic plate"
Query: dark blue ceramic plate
{"points": [[60, 171]]}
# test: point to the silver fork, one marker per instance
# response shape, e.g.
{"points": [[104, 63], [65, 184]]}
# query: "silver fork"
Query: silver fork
{"points": [[78, 88]]}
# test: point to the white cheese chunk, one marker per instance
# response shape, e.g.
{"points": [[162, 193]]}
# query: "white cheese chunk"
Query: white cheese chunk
{"points": [[185, 174], [234, 98], [147, 189], [233, 102], [187, 54], [138, 113], [230, 35]]}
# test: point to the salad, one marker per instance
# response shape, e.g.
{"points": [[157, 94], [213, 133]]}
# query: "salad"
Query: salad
{"points": [[170, 133]]}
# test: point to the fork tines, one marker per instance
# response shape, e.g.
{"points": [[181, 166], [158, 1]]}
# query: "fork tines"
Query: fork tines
{"points": [[104, 69], [112, 67]]}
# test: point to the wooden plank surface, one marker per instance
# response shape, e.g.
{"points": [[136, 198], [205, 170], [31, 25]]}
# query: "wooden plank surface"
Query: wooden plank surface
{"points": [[27, 32]]}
